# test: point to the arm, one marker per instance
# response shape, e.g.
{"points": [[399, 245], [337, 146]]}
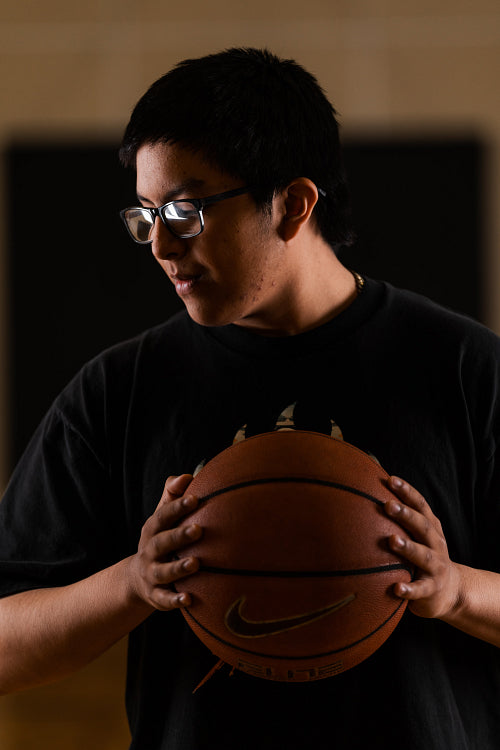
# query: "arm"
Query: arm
{"points": [[466, 598], [46, 634]]}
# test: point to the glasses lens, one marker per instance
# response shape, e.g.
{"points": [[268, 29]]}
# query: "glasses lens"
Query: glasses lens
{"points": [[183, 218], [140, 223]]}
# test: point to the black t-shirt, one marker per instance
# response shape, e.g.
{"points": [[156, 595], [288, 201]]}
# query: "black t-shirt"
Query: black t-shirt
{"points": [[401, 378]]}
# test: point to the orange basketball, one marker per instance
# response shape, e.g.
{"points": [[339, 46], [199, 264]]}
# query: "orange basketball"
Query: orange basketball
{"points": [[296, 575]]}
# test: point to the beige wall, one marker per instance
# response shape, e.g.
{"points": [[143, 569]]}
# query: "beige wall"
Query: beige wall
{"points": [[388, 65]]}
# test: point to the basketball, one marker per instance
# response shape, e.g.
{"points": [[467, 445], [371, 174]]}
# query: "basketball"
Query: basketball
{"points": [[296, 576]]}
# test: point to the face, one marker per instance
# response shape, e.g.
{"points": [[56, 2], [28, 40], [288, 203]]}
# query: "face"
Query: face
{"points": [[234, 271]]}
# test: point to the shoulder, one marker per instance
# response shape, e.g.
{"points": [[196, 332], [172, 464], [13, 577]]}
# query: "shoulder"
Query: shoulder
{"points": [[108, 382], [422, 319], [432, 347], [172, 333], [122, 358]]}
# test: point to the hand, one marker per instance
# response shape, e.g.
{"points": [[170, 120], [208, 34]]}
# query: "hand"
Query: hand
{"points": [[434, 592], [153, 571]]}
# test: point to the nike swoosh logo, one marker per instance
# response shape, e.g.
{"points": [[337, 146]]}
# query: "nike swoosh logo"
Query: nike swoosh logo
{"points": [[240, 625]]}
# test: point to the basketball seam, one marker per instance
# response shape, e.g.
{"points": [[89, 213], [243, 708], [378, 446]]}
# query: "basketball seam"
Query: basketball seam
{"points": [[237, 648], [295, 480]]}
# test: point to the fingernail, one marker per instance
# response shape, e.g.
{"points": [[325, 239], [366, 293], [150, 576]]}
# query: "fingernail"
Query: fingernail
{"points": [[189, 501], [399, 542], [396, 482], [189, 564], [393, 508], [192, 531]]}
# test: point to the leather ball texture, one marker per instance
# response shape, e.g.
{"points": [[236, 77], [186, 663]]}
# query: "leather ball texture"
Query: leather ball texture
{"points": [[296, 576]]}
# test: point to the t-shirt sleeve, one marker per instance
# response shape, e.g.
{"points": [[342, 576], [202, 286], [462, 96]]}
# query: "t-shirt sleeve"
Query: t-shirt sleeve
{"points": [[59, 518], [481, 384], [488, 483]]}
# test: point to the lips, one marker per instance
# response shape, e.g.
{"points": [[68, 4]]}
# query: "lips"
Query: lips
{"points": [[184, 283]]}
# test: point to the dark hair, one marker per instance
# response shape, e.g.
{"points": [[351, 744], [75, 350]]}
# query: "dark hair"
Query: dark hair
{"points": [[256, 117]]}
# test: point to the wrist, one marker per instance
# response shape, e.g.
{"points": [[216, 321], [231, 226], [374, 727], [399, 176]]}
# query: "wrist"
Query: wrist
{"points": [[458, 598], [134, 601], [476, 608]]}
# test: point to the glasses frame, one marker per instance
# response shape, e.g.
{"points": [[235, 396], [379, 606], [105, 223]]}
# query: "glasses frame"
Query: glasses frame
{"points": [[198, 203]]}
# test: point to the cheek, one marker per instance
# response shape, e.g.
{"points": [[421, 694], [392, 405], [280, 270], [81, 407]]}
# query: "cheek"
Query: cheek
{"points": [[260, 282], [245, 258]]}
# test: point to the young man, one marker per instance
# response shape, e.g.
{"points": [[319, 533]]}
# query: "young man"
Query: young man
{"points": [[242, 200]]}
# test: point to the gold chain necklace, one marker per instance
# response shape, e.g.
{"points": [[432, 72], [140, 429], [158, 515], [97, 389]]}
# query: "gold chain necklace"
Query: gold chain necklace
{"points": [[360, 282]]}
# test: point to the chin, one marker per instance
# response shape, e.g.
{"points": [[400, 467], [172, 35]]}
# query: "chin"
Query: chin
{"points": [[209, 318]]}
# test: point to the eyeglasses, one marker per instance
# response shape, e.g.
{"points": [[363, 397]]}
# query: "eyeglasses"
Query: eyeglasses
{"points": [[183, 218]]}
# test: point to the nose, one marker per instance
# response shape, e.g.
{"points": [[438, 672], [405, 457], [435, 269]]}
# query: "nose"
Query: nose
{"points": [[164, 245]]}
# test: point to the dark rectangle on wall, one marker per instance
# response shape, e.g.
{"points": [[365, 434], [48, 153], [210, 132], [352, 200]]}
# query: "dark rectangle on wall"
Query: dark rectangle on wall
{"points": [[418, 213], [77, 283]]}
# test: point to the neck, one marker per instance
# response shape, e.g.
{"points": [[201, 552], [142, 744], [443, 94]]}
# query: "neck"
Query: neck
{"points": [[319, 290]]}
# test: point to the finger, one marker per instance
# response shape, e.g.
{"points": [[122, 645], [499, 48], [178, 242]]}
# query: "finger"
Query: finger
{"points": [[175, 486], [168, 514], [422, 557], [420, 522], [165, 599], [162, 595], [406, 517], [423, 588], [165, 543], [410, 496], [428, 532], [164, 574]]}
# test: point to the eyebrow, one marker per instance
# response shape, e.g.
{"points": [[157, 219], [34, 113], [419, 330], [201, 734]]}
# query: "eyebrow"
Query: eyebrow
{"points": [[185, 188]]}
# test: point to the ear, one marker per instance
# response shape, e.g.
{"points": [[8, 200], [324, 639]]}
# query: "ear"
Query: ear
{"points": [[298, 201]]}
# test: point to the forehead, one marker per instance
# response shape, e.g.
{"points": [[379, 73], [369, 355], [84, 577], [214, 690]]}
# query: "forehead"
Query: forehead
{"points": [[167, 170]]}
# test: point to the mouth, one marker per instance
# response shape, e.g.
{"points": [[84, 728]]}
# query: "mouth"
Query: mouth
{"points": [[184, 283]]}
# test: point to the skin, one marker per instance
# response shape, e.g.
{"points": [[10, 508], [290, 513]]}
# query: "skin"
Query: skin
{"points": [[257, 271], [273, 274], [466, 598]]}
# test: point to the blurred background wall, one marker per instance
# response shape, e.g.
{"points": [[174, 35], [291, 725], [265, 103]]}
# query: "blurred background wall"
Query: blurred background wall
{"points": [[71, 72]]}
